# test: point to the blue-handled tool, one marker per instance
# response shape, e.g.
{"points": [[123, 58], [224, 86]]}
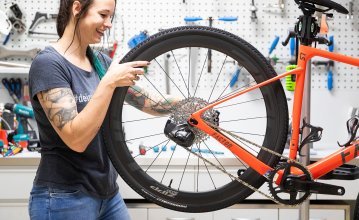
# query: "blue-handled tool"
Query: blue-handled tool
{"points": [[331, 46], [330, 80], [137, 39], [206, 151], [292, 46], [224, 18], [8, 87], [228, 18], [192, 19], [330, 72], [234, 77], [274, 44]]}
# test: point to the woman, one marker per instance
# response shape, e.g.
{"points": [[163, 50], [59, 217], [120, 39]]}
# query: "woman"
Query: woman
{"points": [[75, 179]]}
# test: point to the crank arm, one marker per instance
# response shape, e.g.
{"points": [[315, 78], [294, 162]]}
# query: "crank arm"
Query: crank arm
{"points": [[314, 187]]}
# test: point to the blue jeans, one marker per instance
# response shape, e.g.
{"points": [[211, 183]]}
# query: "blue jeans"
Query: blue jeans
{"points": [[47, 203]]}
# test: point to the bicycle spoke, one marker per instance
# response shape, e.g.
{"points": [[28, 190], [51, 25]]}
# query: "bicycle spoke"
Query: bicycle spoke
{"points": [[143, 137], [217, 77], [156, 157], [243, 119], [210, 176], [189, 69], [197, 169], [215, 157], [248, 146], [233, 92], [187, 86], [189, 154], [226, 88], [168, 77], [224, 106], [195, 91], [144, 119], [238, 132], [239, 160], [168, 164]]}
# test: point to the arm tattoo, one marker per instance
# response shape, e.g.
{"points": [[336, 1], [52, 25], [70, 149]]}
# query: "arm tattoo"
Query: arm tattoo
{"points": [[59, 105], [142, 100], [163, 106], [136, 97]]}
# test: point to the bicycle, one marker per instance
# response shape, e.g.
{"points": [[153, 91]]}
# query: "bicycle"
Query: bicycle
{"points": [[202, 124]]}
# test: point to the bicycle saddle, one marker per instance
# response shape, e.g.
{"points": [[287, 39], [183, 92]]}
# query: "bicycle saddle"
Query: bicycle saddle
{"points": [[326, 3]]}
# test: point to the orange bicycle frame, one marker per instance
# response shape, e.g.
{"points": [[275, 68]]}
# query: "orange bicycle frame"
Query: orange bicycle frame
{"points": [[318, 168]]}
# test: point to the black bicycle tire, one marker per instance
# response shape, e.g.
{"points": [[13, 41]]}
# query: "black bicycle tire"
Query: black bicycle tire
{"points": [[225, 196]]}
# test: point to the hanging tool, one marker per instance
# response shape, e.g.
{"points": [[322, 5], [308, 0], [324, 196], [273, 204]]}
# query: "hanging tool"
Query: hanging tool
{"points": [[235, 77], [206, 151], [290, 79], [331, 65], [4, 52], [16, 19], [39, 16], [351, 9], [137, 39], [26, 94], [273, 45], [253, 10], [8, 86], [279, 5], [210, 21]]}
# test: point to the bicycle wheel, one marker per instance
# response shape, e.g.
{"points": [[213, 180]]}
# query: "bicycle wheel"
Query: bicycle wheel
{"points": [[180, 59]]}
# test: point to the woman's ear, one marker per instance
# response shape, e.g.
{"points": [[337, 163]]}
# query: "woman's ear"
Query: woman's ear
{"points": [[76, 8]]}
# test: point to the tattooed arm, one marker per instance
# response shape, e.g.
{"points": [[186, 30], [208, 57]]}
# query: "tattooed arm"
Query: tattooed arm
{"points": [[146, 102], [76, 129]]}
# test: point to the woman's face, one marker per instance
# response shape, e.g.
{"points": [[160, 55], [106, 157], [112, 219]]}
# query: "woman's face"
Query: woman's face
{"points": [[96, 21]]}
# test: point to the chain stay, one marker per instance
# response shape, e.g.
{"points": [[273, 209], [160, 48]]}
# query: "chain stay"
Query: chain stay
{"points": [[237, 178]]}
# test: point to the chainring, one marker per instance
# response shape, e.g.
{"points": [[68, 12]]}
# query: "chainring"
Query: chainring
{"points": [[278, 191]]}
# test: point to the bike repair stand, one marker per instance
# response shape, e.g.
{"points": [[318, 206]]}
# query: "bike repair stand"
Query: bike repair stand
{"points": [[304, 157]]}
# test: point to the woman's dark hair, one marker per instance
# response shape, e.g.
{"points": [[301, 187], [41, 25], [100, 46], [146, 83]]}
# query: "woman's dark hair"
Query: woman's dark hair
{"points": [[64, 17]]}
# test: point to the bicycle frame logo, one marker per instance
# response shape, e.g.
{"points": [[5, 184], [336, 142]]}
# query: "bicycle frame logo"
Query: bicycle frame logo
{"points": [[318, 168], [222, 140], [347, 153], [302, 56]]}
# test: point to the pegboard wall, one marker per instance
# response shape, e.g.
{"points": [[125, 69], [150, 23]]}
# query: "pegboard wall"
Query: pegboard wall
{"points": [[133, 16]]}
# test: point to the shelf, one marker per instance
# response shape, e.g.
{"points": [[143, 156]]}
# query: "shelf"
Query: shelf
{"points": [[14, 70]]}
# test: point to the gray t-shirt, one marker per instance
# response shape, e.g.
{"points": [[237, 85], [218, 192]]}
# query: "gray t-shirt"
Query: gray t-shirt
{"points": [[90, 171]]}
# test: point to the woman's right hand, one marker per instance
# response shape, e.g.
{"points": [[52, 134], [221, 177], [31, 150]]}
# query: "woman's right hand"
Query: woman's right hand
{"points": [[124, 74]]}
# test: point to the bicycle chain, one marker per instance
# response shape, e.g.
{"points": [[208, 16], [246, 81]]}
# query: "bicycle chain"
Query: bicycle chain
{"points": [[237, 178]]}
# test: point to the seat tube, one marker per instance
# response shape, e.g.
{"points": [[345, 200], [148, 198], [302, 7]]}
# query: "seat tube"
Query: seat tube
{"points": [[297, 103]]}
